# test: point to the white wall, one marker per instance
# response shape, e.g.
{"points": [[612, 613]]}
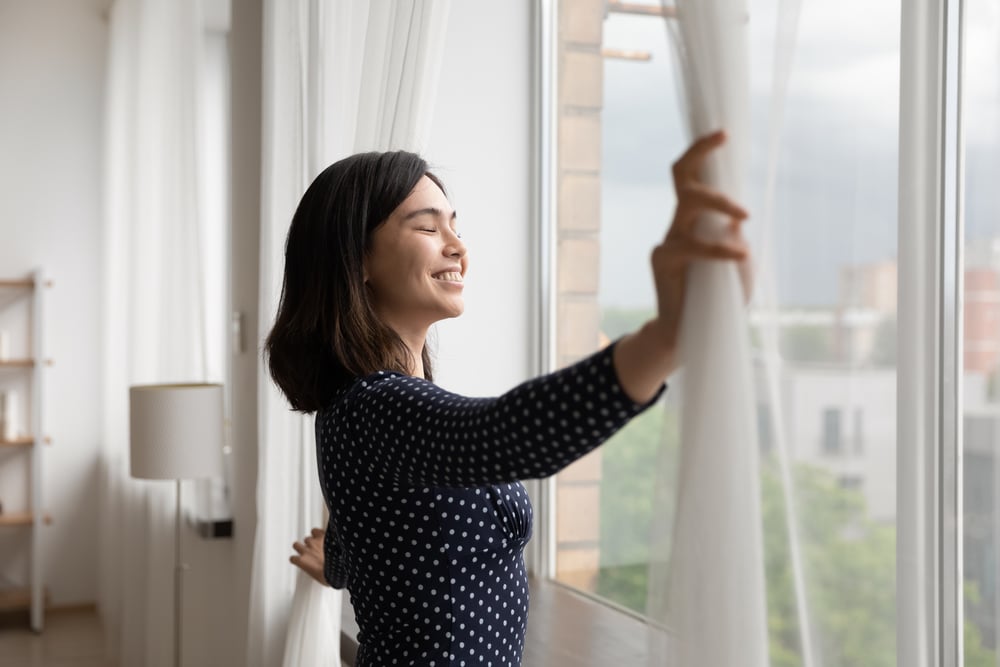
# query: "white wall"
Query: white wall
{"points": [[480, 146], [52, 59]]}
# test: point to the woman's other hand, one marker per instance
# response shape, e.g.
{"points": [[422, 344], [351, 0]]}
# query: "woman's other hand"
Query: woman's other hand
{"points": [[310, 557], [645, 358]]}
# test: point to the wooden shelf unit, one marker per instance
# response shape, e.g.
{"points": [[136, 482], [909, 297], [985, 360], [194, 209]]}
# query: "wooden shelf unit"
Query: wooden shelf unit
{"points": [[22, 519], [26, 441], [18, 599], [15, 599], [32, 363], [17, 363]]}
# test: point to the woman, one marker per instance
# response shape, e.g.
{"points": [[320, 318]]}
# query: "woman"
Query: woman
{"points": [[428, 520]]}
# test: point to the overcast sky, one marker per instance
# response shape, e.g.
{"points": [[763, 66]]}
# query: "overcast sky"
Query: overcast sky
{"points": [[836, 196]]}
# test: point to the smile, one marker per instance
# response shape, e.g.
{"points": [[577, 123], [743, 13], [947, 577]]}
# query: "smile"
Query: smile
{"points": [[448, 276]]}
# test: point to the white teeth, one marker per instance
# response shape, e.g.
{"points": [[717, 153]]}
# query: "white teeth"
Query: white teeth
{"points": [[450, 276]]}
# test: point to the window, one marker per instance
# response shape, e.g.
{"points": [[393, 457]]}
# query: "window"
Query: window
{"points": [[831, 431], [620, 125], [859, 432]]}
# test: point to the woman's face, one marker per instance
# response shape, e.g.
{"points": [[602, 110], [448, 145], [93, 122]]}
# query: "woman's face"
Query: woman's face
{"points": [[417, 263]]}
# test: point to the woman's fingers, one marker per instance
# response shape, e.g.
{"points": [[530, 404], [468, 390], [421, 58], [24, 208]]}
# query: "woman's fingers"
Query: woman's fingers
{"points": [[695, 249], [695, 198], [309, 555], [688, 166], [680, 251], [312, 542]]}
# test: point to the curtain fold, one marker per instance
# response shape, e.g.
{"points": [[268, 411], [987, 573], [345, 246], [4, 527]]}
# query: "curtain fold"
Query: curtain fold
{"points": [[339, 78], [707, 570], [154, 313], [772, 364], [288, 502]]}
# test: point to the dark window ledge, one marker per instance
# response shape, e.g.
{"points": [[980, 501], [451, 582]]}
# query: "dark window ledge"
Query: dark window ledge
{"points": [[565, 629]]}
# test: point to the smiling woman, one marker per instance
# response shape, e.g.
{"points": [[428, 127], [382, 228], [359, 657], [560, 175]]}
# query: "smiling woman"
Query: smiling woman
{"points": [[328, 330], [417, 265], [428, 516]]}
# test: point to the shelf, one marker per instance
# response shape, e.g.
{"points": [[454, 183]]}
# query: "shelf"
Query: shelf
{"points": [[19, 599], [22, 519], [26, 441], [13, 599], [17, 363]]}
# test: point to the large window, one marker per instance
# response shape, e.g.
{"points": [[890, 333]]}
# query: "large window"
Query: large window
{"points": [[834, 248]]}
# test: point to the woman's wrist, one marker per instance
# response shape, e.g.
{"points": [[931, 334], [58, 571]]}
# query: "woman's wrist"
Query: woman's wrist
{"points": [[644, 359]]}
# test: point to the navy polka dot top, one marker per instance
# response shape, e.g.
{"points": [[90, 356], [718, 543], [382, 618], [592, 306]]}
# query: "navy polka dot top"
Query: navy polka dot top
{"points": [[428, 520]]}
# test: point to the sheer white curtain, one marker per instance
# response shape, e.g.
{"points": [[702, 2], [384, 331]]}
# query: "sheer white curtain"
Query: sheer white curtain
{"points": [[712, 597], [154, 313], [339, 78], [830, 457], [788, 13]]}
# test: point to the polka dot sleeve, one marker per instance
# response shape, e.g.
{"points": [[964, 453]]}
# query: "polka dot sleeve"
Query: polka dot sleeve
{"points": [[417, 433]]}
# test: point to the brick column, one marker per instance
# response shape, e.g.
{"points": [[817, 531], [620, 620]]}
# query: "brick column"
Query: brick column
{"points": [[579, 102]]}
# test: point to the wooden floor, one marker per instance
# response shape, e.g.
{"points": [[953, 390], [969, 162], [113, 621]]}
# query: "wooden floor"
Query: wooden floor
{"points": [[72, 638]]}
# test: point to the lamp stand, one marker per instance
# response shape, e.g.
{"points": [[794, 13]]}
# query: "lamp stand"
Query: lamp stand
{"points": [[178, 578]]}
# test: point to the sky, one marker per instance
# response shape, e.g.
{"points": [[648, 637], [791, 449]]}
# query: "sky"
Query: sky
{"points": [[836, 196]]}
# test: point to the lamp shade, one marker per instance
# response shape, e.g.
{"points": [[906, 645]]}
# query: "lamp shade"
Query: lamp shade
{"points": [[176, 431]]}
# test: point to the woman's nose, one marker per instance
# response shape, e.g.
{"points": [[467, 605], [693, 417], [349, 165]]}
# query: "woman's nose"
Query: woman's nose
{"points": [[455, 247]]}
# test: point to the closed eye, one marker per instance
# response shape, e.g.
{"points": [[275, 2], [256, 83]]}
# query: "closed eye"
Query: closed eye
{"points": [[426, 229]]}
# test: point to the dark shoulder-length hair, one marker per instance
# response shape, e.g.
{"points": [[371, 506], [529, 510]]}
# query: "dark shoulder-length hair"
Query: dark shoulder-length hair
{"points": [[326, 332]]}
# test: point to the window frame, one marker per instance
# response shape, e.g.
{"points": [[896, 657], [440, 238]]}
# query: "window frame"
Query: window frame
{"points": [[929, 474], [540, 554], [929, 595]]}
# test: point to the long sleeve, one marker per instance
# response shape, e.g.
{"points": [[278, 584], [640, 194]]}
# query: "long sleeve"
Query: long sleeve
{"points": [[406, 430]]}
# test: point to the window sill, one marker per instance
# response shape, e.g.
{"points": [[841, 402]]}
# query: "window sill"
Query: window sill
{"points": [[565, 629]]}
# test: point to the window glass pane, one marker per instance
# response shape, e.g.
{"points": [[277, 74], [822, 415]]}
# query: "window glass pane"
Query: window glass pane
{"points": [[981, 395], [834, 224], [631, 116]]}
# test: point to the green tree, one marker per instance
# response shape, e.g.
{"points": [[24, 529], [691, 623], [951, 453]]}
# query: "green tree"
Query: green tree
{"points": [[850, 573], [629, 462], [976, 655]]}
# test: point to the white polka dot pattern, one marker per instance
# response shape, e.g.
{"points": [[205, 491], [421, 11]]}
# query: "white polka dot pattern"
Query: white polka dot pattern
{"points": [[428, 520]]}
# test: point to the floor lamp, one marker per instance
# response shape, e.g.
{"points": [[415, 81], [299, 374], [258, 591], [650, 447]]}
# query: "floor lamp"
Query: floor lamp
{"points": [[176, 432]]}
